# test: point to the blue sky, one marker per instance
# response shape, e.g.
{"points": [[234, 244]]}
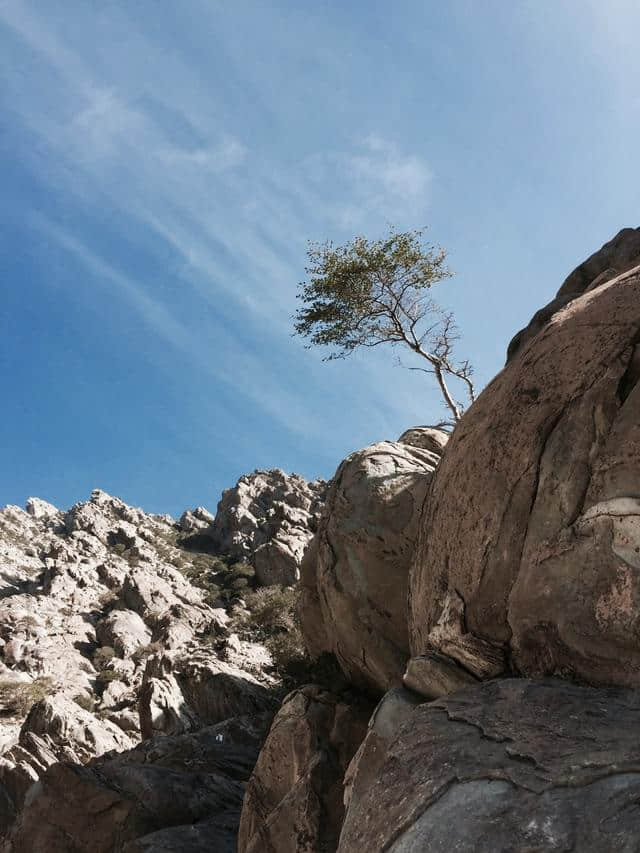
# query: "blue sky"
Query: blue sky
{"points": [[163, 165]]}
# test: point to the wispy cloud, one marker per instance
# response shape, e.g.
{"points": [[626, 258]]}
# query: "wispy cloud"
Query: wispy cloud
{"points": [[234, 220]]}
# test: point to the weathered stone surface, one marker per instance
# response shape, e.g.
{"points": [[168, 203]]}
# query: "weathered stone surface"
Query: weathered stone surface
{"points": [[181, 794], [506, 765], [530, 536], [432, 676], [56, 729], [88, 597], [194, 689], [294, 799], [619, 255], [365, 544], [425, 437], [268, 518]]}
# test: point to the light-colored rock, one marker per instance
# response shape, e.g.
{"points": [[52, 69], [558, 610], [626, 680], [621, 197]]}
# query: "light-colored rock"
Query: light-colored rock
{"points": [[268, 518], [182, 693], [530, 537], [56, 729], [619, 255], [365, 544], [293, 802], [196, 520], [505, 765], [43, 510], [426, 437], [123, 630]]}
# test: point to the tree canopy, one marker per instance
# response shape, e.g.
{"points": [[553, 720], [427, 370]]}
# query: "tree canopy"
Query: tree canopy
{"points": [[372, 292]]}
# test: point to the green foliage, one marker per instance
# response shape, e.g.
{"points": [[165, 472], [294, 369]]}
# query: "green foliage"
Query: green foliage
{"points": [[107, 675], [272, 618], [372, 292], [221, 580], [18, 697], [355, 290]]}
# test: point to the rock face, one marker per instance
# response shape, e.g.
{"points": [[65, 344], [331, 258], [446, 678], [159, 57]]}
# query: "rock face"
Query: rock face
{"points": [[529, 543], [506, 765], [294, 800], [268, 518], [101, 635], [181, 794], [614, 258], [365, 544]]}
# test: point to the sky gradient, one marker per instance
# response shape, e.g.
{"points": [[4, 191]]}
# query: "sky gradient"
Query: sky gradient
{"points": [[163, 166]]}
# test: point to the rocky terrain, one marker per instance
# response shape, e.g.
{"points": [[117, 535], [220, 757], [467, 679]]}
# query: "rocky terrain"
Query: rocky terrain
{"points": [[117, 627], [463, 673]]}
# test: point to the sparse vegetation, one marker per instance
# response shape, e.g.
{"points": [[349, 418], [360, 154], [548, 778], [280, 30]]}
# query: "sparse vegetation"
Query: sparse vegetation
{"points": [[102, 656], [84, 701], [18, 697], [145, 651], [271, 617]]}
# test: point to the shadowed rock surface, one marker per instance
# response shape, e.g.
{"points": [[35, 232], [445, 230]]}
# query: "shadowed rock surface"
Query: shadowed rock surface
{"points": [[508, 765], [528, 554], [294, 800], [364, 545], [181, 794]]}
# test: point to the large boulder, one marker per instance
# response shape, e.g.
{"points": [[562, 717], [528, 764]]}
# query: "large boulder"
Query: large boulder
{"points": [[268, 518], [294, 799], [181, 794], [620, 254], [528, 555], [365, 544], [505, 765]]}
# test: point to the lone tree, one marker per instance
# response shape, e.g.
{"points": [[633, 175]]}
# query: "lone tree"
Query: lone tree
{"points": [[368, 293]]}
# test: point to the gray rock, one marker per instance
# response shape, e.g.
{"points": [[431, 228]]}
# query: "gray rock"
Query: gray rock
{"points": [[505, 765], [182, 794]]}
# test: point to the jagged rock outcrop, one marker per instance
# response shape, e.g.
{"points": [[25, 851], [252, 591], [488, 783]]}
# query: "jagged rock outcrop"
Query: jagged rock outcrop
{"points": [[365, 543], [619, 255], [505, 765], [294, 799], [268, 518], [96, 615], [56, 729], [181, 794], [528, 554], [185, 692]]}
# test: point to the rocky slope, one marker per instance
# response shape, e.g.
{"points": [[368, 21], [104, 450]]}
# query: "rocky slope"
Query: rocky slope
{"points": [[268, 518], [117, 626], [523, 562], [520, 554]]}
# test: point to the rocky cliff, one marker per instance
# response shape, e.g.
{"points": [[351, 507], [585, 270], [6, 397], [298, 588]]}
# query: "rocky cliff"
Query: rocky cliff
{"points": [[469, 606], [129, 677]]}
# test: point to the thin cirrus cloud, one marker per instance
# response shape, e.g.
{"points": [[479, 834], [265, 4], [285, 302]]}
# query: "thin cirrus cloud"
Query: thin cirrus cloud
{"points": [[235, 219]]}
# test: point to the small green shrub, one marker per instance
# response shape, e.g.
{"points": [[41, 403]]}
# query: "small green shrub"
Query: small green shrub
{"points": [[18, 697], [145, 651], [84, 701], [102, 656]]}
